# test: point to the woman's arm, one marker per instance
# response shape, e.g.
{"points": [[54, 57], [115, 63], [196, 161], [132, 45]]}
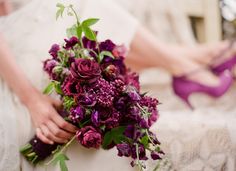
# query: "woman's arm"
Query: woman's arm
{"points": [[50, 126]]}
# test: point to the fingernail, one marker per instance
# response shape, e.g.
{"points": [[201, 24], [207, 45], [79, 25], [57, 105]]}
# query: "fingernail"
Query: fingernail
{"points": [[51, 142]]}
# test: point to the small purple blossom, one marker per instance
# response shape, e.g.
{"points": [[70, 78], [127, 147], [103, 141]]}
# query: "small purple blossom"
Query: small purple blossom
{"points": [[54, 50], [95, 118], [155, 155], [48, 67], [124, 150], [70, 43], [77, 114]]}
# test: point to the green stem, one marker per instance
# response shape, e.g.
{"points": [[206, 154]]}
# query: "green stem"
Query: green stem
{"points": [[76, 16], [61, 151], [137, 153], [149, 137]]}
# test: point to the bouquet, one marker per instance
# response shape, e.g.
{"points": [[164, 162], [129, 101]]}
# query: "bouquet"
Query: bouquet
{"points": [[100, 96]]}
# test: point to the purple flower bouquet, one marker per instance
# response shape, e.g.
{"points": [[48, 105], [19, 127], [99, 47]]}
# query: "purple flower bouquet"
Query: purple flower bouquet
{"points": [[100, 96]]}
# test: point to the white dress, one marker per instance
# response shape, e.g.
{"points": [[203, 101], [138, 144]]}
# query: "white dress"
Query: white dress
{"points": [[30, 32]]}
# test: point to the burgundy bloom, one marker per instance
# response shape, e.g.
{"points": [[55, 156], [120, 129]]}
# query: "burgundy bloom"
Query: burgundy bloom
{"points": [[70, 43], [107, 45], [85, 70], [124, 150], [77, 114], [71, 87], [89, 44], [89, 137], [54, 50], [141, 152], [155, 155]]}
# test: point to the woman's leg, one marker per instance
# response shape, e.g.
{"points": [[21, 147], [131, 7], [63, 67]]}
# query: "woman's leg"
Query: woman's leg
{"points": [[146, 52]]}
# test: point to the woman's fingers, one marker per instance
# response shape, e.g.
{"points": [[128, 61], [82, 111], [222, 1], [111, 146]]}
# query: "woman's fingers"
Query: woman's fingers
{"points": [[49, 135], [40, 135], [61, 123], [58, 132]]}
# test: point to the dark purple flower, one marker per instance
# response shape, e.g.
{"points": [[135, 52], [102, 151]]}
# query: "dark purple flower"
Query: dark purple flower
{"points": [[77, 114], [89, 137], [89, 44], [129, 132], [54, 50], [155, 155], [86, 100], [107, 45], [143, 123], [95, 118], [141, 152], [132, 93], [85, 70], [124, 150], [70, 43]]}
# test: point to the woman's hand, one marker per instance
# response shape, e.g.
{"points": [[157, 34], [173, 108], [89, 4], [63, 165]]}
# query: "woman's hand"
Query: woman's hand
{"points": [[50, 126]]}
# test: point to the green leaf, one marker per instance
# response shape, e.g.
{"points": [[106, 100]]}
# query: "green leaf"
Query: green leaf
{"points": [[49, 89], [79, 31], [63, 166], [107, 140], [72, 31], [115, 135], [60, 10], [61, 158], [57, 87], [144, 141], [89, 22], [89, 33], [59, 5]]}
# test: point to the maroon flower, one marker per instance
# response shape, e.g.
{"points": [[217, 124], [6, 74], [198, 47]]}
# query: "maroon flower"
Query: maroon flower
{"points": [[70, 43], [89, 137], [54, 50], [71, 87], [85, 70]]}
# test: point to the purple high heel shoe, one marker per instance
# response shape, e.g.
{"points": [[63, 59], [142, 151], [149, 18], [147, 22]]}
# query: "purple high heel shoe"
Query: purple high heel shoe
{"points": [[184, 87], [228, 64]]}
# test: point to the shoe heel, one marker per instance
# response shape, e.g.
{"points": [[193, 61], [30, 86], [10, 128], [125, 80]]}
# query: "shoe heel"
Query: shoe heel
{"points": [[185, 98]]}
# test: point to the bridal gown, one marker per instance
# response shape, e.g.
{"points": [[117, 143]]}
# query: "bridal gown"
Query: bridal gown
{"points": [[30, 32]]}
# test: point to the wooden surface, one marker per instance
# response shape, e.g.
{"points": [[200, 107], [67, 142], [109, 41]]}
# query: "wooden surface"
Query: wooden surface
{"points": [[207, 19]]}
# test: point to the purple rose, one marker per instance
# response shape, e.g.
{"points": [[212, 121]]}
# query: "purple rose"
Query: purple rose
{"points": [[70, 43], [54, 50], [89, 137], [85, 70], [124, 150]]}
